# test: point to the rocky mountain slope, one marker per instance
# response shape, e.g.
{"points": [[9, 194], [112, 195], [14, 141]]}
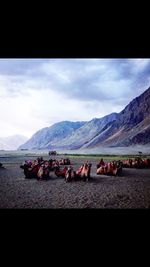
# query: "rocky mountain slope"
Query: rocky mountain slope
{"points": [[131, 127]]}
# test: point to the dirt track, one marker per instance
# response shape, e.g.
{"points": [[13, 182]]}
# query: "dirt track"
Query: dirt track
{"points": [[131, 190]]}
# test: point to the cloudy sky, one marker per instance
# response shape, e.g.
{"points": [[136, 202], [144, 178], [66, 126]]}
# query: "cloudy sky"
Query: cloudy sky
{"points": [[36, 93]]}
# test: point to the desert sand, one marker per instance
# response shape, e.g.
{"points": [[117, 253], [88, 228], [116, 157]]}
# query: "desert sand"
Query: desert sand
{"points": [[129, 191]]}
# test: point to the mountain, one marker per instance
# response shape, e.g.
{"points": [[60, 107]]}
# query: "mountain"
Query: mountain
{"points": [[85, 133], [49, 137], [12, 142], [129, 127]]}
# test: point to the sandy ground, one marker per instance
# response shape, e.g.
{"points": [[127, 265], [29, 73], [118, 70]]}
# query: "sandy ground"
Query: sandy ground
{"points": [[131, 190]]}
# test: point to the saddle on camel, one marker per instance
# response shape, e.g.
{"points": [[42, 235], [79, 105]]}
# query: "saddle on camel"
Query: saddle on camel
{"points": [[111, 168]]}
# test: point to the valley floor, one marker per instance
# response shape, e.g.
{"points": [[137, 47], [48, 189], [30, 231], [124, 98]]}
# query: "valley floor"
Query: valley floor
{"points": [[131, 190]]}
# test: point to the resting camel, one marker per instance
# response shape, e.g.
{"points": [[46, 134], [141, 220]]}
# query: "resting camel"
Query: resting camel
{"points": [[70, 175], [43, 172], [136, 163], [111, 168], [61, 173], [67, 161], [83, 173], [39, 168], [30, 169], [102, 170], [147, 163], [101, 163], [54, 165], [127, 163], [86, 170]]}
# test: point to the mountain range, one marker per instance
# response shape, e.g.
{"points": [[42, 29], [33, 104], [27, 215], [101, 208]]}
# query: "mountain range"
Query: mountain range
{"points": [[129, 127]]}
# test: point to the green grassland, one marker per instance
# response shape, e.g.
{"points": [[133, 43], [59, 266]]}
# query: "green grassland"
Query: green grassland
{"points": [[106, 157]]}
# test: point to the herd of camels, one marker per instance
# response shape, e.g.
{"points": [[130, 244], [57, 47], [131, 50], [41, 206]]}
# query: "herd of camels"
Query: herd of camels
{"points": [[40, 169]]}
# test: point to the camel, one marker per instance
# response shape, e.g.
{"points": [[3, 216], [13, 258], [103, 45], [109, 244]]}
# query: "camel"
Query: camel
{"points": [[61, 173], [30, 169], [102, 170], [67, 161], [101, 163], [111, 168], [39, 168], [127, 163], [61, 162], [146, 162], [40, 173], [86, 170], [83, 173], [136, 163], [54, 165], [43, 172], [70, 174]]}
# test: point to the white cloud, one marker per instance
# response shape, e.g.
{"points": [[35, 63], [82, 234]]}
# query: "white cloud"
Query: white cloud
{"points": [[37, 93]]}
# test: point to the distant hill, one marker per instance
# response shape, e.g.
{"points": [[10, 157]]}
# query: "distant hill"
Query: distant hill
{"points": [[49, 137], [85, 133], [12, 142], [129, 127]]}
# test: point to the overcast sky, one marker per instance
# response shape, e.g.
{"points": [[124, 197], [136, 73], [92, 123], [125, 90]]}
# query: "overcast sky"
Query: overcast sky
{"points": [[36, 93]]}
